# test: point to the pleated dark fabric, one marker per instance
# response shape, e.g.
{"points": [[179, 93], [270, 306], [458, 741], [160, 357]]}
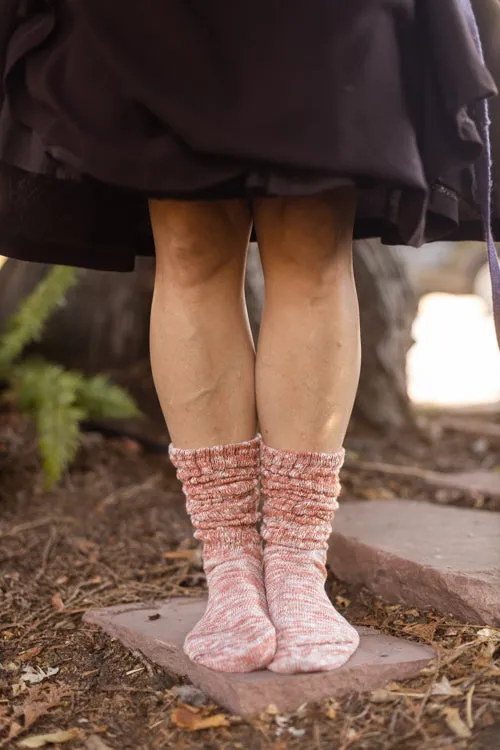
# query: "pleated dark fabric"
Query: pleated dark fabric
{"points": [[105, 103]]}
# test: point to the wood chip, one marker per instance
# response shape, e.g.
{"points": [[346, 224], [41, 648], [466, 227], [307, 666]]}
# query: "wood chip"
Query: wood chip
{"points": [[95, 743], [187, 717], [468, 708], [54, 738], [456, 723], [181, 554], [57, 602]]}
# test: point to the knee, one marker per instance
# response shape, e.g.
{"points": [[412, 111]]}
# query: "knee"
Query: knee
{"points": [[308, 242], [190, 262], [197, 244], [312, 271]]}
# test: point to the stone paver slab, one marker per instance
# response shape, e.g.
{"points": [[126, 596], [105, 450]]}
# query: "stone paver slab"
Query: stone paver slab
{"points": [[379, 659], [481, 481], [422, 554]]}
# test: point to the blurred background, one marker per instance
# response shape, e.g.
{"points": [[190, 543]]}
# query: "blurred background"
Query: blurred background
{"points": [[454, 360]]}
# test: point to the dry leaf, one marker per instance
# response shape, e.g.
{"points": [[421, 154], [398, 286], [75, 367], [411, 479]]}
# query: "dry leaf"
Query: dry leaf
{"points": [[443, 687], [38, 703], [455, 723], [34, 676], [489, 633], [425, 630], [58, 602], [187, 717], [55, 738], [27, 655]]}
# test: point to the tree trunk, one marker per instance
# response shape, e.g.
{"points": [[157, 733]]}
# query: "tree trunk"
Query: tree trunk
{"points": [[388, 307], [104, 327]]}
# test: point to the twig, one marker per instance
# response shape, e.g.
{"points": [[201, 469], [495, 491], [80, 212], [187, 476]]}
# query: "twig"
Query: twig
{"points": [[146, 663], [34, 525], [46, 552], [468, 708], [429, 690], [412, 472], [43, 621], [126, 493]]}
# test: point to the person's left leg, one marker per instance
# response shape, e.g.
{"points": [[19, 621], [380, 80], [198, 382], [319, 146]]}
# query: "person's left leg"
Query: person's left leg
{"points": [[307, 373]]}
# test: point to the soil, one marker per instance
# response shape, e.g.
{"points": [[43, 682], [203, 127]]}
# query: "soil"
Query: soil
{"points": [[99, 539]]}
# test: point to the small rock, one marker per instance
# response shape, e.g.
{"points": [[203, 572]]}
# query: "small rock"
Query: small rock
{"points": [[480, 446], [296, 732], [190, 695]]}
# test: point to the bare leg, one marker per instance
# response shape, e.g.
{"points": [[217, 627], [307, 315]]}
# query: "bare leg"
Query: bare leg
{"points": [[203, 363], [309, 346], [307, 373], [201, 349]]}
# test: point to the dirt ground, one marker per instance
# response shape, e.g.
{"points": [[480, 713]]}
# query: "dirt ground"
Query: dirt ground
{"points": [[100, 539]]}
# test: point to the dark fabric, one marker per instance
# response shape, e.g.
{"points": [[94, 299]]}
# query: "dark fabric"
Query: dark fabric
{"points": [[487, 14], [107, 103]]}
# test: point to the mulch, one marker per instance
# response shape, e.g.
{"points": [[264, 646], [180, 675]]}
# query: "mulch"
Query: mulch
{"points": [[100, 539]]}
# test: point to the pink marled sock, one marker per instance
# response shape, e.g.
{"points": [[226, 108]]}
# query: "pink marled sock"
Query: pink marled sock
{"points": [[221, 485], [301, 491]]}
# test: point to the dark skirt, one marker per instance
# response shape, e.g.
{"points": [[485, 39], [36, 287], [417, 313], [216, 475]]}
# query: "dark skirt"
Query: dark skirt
{"points": [[104, 104]]}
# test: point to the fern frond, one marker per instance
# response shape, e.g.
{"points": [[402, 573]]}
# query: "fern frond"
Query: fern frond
{"points": [[58, 399], [49, 393], [98, 397], [36, 382], [58, 428], [27, 324]]}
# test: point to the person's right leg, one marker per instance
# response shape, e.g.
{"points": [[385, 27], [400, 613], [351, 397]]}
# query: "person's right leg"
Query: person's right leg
{"points": [[202, 352], [203, 363]]}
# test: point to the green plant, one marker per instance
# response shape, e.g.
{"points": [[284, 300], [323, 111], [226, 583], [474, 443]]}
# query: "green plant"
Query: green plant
{"points": [[58, 399]]}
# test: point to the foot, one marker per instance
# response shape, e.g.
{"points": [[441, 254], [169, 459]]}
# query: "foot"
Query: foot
{"points": [[311, 635], [235, 634]]}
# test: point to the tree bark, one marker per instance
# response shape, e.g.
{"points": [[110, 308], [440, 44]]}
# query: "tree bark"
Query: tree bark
{"points": [[388, 306], [104, 327]]}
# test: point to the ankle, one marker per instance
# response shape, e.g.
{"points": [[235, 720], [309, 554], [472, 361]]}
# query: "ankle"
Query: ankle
{"points": [[301, 491], [221, 485], [222, 545]]}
